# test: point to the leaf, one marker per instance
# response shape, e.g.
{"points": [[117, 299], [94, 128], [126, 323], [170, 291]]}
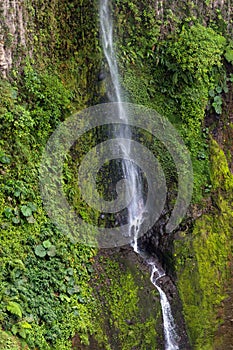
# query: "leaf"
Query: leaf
{"points": [[231, 78], [40, 251], [14, 329], [211, 93], [225, 89], [175, 78], [16, 220], [219, 89], [32, 206], [31, 220], [52, 251], [217, 107], [90, 269], [5, 160], [26, 211], [19, 263], [23, 333], [17, 193], [47, 244], [218, 100], [25, 325], [14, 308], [7, 212], [81, 300], [71, 291], [70, 271], [229, 54]]}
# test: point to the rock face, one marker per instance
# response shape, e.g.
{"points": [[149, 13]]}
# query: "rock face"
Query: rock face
{"points": [[13, 21], [3, 62], [207, 10]]}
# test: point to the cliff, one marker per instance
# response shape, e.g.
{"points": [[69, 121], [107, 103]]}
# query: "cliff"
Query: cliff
{"points": [[173, 57]]}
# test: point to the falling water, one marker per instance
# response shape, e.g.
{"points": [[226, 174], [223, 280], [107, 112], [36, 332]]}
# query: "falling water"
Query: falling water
{"points": [[134, 190], [168, 321], [134, 182]]}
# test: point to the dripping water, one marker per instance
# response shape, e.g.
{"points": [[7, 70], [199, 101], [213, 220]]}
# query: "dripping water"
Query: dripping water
{"points": [[130, 172]]}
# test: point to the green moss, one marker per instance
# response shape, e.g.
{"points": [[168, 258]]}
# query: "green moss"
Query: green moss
{"points": [[221, 177], [173, 76], [121, 295], [202, 257]]}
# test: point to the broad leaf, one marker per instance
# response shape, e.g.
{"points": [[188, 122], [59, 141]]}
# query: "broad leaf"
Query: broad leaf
{"points": [[52, 251], [40, 251], [26, 211], [47, 244]]}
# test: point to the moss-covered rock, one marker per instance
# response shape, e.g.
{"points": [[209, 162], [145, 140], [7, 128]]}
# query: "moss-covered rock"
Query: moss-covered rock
{"points": [[129, 308], [203, 257]]}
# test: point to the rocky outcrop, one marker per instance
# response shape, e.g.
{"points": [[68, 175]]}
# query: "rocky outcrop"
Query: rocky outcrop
{"points": [[3, 61], [12, 33]]}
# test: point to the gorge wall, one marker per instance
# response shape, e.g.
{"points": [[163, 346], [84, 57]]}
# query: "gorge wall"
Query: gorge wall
{"points": [[50, 62]]}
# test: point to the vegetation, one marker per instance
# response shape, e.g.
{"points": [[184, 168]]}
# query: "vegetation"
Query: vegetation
{"points": [[203, 257], [52, 290], [179, 81]]}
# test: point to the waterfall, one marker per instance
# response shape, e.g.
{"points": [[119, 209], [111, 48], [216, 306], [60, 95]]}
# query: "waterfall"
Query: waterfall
{"points": [[134, 191], [168, 321], [133, 194]]}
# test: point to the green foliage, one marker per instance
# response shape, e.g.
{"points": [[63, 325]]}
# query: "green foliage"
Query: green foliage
{"points": [[46, 248], [8, 342], [41, 294], [229, 52], [137, 29], [40, 251], [21, 328], [176, 82], [14, 308], [221, 176], [195, 50], [44, 303]]}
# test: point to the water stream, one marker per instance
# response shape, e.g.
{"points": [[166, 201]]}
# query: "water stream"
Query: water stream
{"points": [[134, 194], [168, 320]]}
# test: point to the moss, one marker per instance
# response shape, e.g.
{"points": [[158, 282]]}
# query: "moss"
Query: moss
{"points": [[221, 177], [203, 256], [59, 78], [121, 296], [8, 342]]}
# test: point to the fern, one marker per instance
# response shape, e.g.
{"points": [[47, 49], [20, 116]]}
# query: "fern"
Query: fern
{"points": [[14, 308]]}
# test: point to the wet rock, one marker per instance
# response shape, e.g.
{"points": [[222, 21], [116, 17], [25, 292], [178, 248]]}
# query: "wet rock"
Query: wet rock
{"points": [[101, 76]]}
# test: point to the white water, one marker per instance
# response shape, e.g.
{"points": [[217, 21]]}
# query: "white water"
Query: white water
{"points": [[133, 194], [134, 191], [168, 321]]}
